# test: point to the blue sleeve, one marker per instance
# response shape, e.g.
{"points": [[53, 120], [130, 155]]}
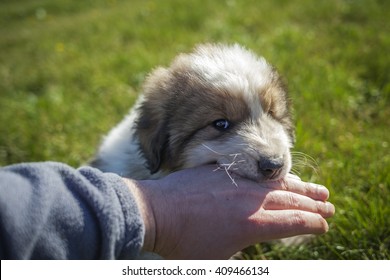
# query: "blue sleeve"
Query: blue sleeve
{"points": [[52, 211]]}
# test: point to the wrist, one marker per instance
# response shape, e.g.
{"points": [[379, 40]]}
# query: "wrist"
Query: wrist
{"points": [[146, 211]]}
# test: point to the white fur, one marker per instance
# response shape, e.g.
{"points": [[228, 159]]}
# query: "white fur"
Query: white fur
{"points": [[120, 149]]}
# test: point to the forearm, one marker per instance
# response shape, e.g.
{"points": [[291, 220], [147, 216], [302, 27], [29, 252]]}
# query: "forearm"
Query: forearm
{"points": [[52, 211]]}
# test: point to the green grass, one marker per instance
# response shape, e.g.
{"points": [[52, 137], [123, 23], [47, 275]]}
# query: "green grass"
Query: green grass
{"points": [[69, 70]]}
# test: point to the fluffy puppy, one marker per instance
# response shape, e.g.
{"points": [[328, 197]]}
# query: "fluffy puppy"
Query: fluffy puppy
{"points": [[219, 104]]}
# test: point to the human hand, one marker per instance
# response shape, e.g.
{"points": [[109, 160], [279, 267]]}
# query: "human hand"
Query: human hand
{"points": [[199, 214]]}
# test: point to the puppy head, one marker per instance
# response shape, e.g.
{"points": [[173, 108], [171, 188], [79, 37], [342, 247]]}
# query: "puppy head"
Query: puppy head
{"points": [[220, 104]]}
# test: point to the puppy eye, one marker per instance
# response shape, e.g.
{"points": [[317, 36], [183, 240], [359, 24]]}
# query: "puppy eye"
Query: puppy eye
{"points": [[221, 124]]}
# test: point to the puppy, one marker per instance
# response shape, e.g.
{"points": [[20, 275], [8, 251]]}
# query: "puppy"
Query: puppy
{"points": [[219, 104]]}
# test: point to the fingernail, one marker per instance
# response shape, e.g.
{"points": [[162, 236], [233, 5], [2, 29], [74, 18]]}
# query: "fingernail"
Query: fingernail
{"points": [[330, 207], [322, 191]]}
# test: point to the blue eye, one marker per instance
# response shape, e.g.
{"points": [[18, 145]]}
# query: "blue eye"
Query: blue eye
{"points": [[221, 124]]}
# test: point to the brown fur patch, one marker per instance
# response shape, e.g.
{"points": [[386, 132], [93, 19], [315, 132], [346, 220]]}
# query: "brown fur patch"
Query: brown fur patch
{"points": [[275, 102]]}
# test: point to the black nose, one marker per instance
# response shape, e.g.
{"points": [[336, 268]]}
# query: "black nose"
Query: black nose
{"points": [[270, 167]]}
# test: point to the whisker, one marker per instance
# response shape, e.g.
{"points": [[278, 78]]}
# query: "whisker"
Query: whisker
{"points": [[301, 160], [295, 172], [207, 147], [243, 144], [306, 157]]}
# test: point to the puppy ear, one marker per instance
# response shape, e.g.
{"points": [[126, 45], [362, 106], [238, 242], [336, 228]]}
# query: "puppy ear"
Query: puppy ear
{"points": [[152, 124], [153, 138]]}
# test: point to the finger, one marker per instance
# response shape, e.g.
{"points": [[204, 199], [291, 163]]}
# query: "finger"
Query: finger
{"points": [[270, 225], [314, 191], [282, 200]]}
